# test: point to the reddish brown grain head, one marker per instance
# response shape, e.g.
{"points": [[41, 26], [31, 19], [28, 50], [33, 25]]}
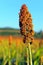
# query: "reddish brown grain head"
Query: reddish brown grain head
{"points": [[25, 23]]}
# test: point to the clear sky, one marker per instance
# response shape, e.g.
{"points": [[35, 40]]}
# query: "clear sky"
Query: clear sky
{"points": [[9, 10]]}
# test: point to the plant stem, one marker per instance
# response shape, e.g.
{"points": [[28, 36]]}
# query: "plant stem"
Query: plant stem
{"points": [[9, 57], [30, 54], [4, 60], [27, 56]]}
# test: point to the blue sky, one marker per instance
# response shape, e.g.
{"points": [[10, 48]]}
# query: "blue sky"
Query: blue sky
{"points": [[9, 10]]}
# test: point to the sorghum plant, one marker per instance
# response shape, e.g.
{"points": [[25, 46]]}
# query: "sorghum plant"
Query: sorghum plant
{"points": [[25, 23], [26, 28]]}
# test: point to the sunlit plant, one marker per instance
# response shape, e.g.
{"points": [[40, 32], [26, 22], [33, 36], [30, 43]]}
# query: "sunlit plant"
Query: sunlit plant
{"points": [[26, 29]]}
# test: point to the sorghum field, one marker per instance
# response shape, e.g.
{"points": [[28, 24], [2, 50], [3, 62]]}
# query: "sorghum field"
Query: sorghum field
{"points": [[24, 49], [13, 51]]}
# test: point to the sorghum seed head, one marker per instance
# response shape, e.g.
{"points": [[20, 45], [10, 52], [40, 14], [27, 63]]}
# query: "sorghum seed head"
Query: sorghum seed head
{"points": [[25, 23]]}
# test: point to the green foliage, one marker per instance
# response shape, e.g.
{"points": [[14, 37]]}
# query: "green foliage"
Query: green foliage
{"points": [[9, 31], [38, 34], [37, 55], [13, 54]]}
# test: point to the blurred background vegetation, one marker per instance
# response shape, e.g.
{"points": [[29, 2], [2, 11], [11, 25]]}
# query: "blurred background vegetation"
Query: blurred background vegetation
{"points": [[16, 32]]}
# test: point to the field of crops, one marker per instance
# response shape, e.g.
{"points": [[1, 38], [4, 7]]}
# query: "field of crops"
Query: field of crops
{"points": [[13, 51]]}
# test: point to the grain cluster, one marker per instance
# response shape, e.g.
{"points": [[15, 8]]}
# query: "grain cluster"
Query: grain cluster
{"points": [[25, 23]]}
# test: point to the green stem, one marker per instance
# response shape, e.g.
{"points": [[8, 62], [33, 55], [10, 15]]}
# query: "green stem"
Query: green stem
{"points": [[30, 54], [9, 57], [4, 60], [27, 56]]}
